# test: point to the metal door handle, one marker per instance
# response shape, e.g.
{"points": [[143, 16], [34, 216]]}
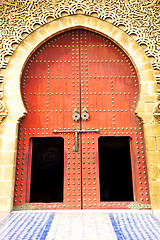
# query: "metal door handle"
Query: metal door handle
{"points": [[85, 115], [76, 134], [76, 115]]}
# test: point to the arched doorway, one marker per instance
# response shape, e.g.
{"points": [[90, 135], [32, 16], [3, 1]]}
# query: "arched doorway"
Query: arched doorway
{"points": [[81, 144]]}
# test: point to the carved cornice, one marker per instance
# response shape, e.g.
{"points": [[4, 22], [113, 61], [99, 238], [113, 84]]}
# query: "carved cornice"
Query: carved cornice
{"points": [[138, 18]]}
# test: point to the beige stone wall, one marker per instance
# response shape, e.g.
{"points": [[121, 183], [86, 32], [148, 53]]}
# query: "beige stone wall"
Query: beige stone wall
{"points": [[16, 109], [152, 136]]}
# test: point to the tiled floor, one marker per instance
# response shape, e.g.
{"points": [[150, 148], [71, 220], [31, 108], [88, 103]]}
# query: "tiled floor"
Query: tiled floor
{"points": [[3, 215], [157, 215], [80, 225]]}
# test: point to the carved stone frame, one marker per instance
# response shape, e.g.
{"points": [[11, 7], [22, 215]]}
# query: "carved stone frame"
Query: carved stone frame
{"points": [[16, 109]]}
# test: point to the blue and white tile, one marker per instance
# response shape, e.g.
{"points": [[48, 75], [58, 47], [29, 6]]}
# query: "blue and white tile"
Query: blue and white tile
{"points": [[26, 225], [80, 225], [135, 226]]}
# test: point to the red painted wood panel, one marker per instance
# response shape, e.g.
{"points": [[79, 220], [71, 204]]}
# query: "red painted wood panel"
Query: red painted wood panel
{"points": [[76, 70], [110, 91]]}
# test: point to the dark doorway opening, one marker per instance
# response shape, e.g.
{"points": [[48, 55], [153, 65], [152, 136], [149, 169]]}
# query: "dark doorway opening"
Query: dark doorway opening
{"points": [[47, 169], [115, 169]]}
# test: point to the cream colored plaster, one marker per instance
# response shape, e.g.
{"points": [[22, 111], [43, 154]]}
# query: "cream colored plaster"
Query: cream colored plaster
{"points": [[1, 172], [158, 143], [150, 143], [154, 157], [155, 201], [5, 187], [6, 157], [152, 130], [149, 107], [12, 80], [143, 65], [9, 172], [6, 203]]}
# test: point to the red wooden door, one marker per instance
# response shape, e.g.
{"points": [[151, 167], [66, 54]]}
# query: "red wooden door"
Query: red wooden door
{"points": [[82, 87]]}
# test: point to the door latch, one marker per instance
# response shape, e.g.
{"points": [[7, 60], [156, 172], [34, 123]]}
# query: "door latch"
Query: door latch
{"points": [[76, 135]]}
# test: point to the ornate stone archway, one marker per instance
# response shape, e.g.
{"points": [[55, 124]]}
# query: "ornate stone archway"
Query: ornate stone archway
{"points": [[14, 68], [16, 109]]}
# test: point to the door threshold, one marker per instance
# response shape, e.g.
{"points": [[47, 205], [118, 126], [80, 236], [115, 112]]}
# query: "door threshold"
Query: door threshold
{"points": [[91, 210]]}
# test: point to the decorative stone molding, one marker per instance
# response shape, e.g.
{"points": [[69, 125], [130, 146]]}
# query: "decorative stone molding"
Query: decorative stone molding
{"points": [[139, 19], [26, 206], [156, 112], [139, 206], [3, 112]]}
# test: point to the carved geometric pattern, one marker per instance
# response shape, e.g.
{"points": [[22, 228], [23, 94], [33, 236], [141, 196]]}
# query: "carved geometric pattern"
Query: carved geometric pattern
{"points": [[156, 112], [138, 18], [3, 112], [141, 18]]}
